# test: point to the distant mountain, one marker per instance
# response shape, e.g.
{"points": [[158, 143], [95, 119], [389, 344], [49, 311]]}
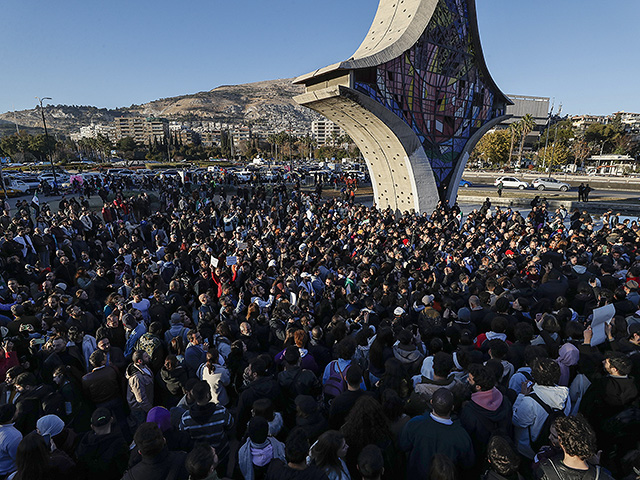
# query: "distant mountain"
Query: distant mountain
{"points": [[268, 103]]}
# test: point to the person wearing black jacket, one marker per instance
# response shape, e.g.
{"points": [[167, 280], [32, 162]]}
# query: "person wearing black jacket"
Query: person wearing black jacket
{"points": [[262, 385], [157, 461], [29, 403], [295, 380], [103, 452], [488, 412]]}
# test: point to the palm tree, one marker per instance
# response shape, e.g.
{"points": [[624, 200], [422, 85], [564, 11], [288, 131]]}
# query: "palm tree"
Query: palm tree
{"points": [[527, 124]]}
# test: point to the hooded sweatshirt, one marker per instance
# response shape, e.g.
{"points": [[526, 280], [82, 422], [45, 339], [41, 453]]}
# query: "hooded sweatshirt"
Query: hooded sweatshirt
{"points": [[529, 416], [103, 457], [487, 414], [568, 356]]}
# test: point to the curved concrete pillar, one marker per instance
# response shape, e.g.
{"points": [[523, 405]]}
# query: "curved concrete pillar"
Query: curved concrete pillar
{"points": [[416, 96]]}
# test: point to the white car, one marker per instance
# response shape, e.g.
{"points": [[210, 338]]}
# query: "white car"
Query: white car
{"points": [[511, 182], [550, 184]]}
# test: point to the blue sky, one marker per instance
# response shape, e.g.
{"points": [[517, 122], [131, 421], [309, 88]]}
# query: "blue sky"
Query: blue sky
{"points": [[117, 53]]}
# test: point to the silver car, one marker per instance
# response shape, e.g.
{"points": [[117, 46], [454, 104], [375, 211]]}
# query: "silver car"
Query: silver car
{"points": [[550, 184]]}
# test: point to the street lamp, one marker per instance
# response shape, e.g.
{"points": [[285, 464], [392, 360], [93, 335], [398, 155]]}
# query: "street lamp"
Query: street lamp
{"points": [[46, 137]]}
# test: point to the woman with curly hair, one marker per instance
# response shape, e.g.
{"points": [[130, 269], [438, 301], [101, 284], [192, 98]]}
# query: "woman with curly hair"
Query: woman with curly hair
{"points": [[328, 454], [578, 442], [367, 424]]}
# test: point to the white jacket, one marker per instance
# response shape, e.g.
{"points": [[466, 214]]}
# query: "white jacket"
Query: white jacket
{"points": [[530, 415], [217, 380]]}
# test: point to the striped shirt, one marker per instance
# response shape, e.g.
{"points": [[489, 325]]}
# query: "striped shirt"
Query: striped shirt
{"points": [[209, 423]]}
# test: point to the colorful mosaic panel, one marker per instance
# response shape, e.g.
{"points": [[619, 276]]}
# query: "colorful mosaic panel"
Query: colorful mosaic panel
{"points": [[437, 88]]}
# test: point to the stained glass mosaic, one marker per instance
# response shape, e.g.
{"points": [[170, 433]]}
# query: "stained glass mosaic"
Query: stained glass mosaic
{"points": [[437, 88]]}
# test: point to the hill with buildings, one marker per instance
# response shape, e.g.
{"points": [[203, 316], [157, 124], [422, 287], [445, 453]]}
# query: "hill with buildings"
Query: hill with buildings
{"points": [[268, 104]]}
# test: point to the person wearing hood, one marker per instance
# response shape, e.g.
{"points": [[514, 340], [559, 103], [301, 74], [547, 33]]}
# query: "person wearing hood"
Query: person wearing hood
{"points": [[208, 422], [529, 415], [103, 452], [139, 386], [568, 357], [488, 413], [50, 427], [409, 349], [259, 450]]}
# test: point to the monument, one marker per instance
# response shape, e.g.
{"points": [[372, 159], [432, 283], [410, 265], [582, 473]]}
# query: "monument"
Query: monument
{"points": [[415, 97]]}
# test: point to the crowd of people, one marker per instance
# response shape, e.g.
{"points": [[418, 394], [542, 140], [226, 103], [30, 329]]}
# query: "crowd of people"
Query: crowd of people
{"points": [[268, 333]]}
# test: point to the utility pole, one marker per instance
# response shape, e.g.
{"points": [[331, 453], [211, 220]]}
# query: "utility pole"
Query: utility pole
{"points": [[555, 138], [46, 136]]}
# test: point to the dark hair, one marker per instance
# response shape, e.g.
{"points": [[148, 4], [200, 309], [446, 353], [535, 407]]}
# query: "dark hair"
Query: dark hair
{"points": [[482, 376], [383, 339], [137, 355], [263, 407], [149, 439], [324, 452], [155, 329], [200, 461], [545, 372], [576, 436], [32, 458], [346, 349], [523, 332], [212, 358], [502, 457], [442, 401], [296, 446], [392, 404], [371, 462], [96, 358], [499, 324], [620, 362], [26, 379], [201, 392], [365, 424], [442, 468], [531, 352], [499, 348], [442, 364], [258, 429], [354, 375]]}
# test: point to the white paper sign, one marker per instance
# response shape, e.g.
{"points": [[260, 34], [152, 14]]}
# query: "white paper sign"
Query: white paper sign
{"points": [[214, 262], [601, 316]]}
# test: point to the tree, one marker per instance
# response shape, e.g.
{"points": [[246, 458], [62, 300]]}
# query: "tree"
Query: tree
{"points": [[558, 154], [527, 124], [581, 150], [493, 147]]}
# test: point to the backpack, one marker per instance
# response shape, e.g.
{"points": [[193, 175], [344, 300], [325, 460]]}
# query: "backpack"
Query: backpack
{"points": [[552, 414], [337, 381]]}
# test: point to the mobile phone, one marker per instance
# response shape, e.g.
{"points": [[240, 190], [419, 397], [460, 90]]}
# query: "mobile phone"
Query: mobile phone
{"points": [[38, 341]]}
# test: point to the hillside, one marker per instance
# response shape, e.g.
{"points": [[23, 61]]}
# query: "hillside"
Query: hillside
{"points": [[261, 103]]}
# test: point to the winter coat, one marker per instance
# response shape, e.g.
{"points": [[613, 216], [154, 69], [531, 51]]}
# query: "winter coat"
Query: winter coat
{"points": [[411, 359], [139, 387], [487, 414], [529, 416], [263, 387], [218, 379], [166, 465], [245, 457], [102, 457]]}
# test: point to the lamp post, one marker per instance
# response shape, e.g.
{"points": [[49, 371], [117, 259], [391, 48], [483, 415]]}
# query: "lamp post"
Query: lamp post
{"points": [[46, 137]]}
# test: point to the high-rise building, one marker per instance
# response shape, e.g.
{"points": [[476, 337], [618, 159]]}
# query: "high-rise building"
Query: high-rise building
{"points": [[323, 131], [142, 130]]}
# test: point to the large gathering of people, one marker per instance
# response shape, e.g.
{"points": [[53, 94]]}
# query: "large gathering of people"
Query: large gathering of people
{"points": [[193, 330]]}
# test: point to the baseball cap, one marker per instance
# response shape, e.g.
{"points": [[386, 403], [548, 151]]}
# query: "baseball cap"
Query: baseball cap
{"points": [[101, 417]]}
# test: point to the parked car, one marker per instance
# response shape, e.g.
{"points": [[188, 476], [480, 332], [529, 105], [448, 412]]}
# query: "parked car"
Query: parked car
{"points": [[511, 182], [550, 184], [465, 183]]}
